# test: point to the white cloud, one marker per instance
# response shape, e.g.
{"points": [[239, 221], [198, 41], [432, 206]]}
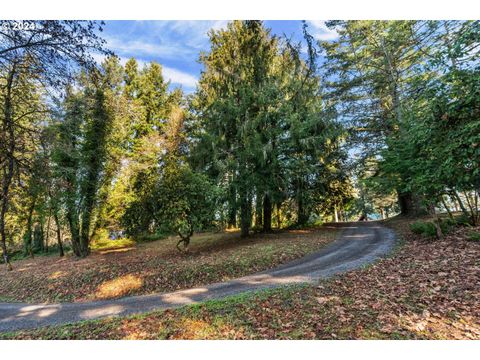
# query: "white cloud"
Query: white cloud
{"points": [[98, 57], [141, 63], [173, 75], [321, 31], [179, 77], [164, 39], [193, 33], [168, 50]]}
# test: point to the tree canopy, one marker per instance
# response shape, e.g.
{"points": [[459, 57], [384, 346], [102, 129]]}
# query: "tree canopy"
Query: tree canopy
{"points": [[383, 119]]}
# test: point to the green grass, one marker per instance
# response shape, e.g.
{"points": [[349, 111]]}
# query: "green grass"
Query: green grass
{"points": [[109, 244], [122, 267], [290, 312], [20, 254], [423, 228], [222, 313], [385, 300], [474, 236]]}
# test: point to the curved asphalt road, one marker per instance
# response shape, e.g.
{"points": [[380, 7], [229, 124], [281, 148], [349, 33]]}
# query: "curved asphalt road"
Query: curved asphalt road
{"points": [[357, 244]]}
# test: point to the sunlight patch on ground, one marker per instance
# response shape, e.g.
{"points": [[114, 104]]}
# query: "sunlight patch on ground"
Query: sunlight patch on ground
{"points": [[440, 326], [136, 335], [109, 244], [156, 266], [56, 275], [120, 286], [300, 231], [105, 311], [218, 327], [197, 328], [103, 252]]}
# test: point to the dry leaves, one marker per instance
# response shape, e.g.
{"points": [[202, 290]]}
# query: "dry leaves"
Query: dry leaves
{"points": [[426, 290], [155, 266]]}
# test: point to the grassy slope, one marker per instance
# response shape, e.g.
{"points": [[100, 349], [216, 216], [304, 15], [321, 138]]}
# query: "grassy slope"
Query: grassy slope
{"points": [[155, 266], [425, 290]]}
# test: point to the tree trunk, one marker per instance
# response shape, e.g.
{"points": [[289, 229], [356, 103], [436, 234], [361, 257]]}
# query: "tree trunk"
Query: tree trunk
{"points": [[409, 204], [245, 215], [436, 222], [450, 215], [258, 211], [47, 235], [335, 213], [232, 209], [302, 214], [27, 237], [232, 218], [476, 206], [454, 201], [74, 233], [37, 238], [267, 213], [59, 235], [41, 240], [185, 239], [7, 137], [85, 233], [470, 206], [460, 203], [6, 260], [186, 243]]}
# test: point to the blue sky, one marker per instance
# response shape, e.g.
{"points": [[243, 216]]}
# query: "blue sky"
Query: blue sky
{"points": [[176, 44]]}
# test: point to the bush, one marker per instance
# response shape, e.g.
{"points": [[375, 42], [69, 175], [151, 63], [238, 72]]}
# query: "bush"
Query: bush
{"points": [[147, 237], [447, 225], [463, 220], [101, 241], [474, 236], [428, 228], [423, 228]]}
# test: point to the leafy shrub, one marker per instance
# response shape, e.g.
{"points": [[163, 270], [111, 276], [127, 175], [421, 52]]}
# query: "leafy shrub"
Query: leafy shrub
{"points": [[159, 235], [474, 236], [102, 241], [15, 255], [423, 228], [447, 225], [463, 220]]}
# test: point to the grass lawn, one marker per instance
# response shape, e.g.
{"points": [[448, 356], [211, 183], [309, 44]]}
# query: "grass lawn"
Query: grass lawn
{"points": [[428, 289], [122, 269]]}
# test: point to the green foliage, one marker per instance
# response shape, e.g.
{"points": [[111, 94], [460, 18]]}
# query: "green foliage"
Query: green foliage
{"points": [[182, 202], [463, 220], [80, 154], [423, 228], [411, 90], [102, 241], [427, 228], [474, 236], [447, 225], [264, 134], [147, 237], [265, 137], [186, 200]]}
